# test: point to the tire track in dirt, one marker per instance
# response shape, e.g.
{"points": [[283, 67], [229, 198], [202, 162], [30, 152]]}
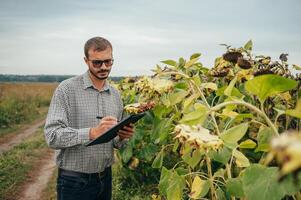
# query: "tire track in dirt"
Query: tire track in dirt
{"points": [[18, 138], [32, 190]]}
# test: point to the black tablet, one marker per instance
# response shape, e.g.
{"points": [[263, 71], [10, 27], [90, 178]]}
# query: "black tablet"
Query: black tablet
{"points": [[112, 132]]}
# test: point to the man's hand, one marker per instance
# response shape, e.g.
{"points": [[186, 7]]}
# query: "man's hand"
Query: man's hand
{"points": [[105, 124], [126, 132]]}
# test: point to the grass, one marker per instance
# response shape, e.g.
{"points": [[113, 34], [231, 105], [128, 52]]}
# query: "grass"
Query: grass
{"points": [[16, 164], [20, 102], [17, 128], [132, 191]]}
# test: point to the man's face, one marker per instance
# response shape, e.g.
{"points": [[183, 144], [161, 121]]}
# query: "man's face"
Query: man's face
{"points": [[100, 63]]}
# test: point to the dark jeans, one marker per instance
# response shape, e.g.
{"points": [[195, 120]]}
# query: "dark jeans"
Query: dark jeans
{"points": [[85, 188]]}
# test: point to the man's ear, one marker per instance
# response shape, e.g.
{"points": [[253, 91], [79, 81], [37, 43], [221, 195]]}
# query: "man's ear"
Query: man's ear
{"points": [[86, 60]]}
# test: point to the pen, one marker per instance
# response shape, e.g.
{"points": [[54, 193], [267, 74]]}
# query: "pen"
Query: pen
{"points": [[98, 117]]}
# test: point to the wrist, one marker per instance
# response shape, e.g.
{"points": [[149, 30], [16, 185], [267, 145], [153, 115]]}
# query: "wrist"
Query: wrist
{"points": [[91, 133]]}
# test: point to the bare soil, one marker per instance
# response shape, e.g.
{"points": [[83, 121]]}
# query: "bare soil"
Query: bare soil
{"points": [[39, 177], [32, 188], [16, 138]]}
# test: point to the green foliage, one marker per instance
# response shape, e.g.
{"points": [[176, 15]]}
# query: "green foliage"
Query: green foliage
{"points": [[247, 144], [170, 62], [192, 156], [197, 116], [295, 112], [264, 137], [235, 188], [269, 85], [234, 134], [199, 188], [261, 182], [249, 45], [127, 190], [223, 155], [240, 159], [126, 153], [158, 161], [15, 111], [171, 184], [234, 157]]}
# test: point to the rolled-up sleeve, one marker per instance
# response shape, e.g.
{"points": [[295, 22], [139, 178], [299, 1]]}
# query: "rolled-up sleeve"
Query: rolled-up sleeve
{"points": [[57, 132]]}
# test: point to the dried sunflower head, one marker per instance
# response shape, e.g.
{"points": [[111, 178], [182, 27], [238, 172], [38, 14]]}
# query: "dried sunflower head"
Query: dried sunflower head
{"points": [[265, 60], [162, 85], [243, 63], [287, 150], [232, 56], [136, 108], [262, 69], [283, 57], [298, 77], [219, 72], [198, 137], [154, 85]]}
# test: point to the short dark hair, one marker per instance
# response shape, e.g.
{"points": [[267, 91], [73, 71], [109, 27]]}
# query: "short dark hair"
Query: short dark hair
{"points": [[97, 44]]}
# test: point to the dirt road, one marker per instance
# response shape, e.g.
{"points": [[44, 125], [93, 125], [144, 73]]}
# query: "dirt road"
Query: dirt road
{"points": [[33, 189], [19, 137], [40, 176]]}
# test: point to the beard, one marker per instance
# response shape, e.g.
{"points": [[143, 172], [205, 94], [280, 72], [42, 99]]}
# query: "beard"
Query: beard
{"points": [[99, 77]]}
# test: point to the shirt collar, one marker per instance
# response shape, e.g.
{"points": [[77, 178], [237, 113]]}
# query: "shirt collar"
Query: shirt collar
{"points": [[88, 83]]}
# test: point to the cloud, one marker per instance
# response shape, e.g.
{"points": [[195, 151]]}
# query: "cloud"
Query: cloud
{"points": [[48, 37]]}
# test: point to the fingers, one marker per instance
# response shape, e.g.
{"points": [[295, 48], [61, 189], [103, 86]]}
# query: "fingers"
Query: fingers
{"points": [[106, 127], [126, 132], [122, 135], [105, 124], [131, 125], [108, 121], [129, 128], [109, 118]]}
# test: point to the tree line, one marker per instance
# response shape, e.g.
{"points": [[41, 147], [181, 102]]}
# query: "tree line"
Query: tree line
{"points": [[40, 78]]}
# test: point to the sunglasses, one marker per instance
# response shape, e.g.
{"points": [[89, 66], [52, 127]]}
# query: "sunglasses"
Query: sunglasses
{"points": [[99, 63]]}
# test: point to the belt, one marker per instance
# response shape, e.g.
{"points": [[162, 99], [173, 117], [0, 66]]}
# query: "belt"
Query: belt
{"points": [[100, 175]]}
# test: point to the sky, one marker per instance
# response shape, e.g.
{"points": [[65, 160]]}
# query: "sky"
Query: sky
{"points": [[47, 37]]}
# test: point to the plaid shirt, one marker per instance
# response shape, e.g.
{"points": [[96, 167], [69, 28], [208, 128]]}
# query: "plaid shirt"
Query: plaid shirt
{"points": [[72, 112]]}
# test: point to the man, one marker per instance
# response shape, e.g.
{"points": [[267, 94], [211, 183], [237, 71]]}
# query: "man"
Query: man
{"points": [[83, 108]]}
